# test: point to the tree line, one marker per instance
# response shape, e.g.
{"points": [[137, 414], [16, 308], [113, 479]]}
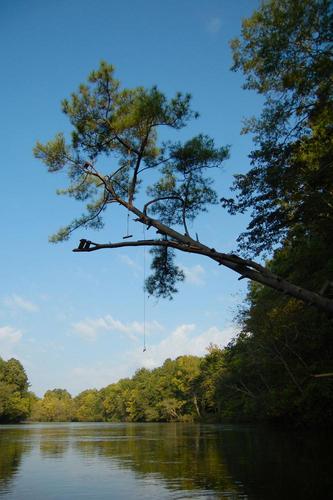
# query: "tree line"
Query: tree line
{"points": [[267, 375]]}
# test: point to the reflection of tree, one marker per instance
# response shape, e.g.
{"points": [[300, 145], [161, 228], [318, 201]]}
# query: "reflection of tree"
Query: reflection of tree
{"points": [[231, 461], [186, 456], [51, 448], [234, 460], [12, 448], [54, 440], [283, 464]]}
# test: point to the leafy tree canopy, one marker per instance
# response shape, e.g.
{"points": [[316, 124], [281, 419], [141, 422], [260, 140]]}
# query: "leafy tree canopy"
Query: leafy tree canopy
{"points": [[14, 397], [285, 52]]}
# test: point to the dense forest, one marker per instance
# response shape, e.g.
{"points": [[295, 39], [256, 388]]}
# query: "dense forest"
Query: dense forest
{"points": [[255, 378]]}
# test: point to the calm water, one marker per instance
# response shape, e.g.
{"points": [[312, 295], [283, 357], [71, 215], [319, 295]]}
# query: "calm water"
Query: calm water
{"points": [[157, 461]]}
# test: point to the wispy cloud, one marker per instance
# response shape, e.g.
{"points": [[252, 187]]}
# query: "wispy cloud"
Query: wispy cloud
{"points": [[194, 274], [214, 25], [15, 301], [9, 337], [91, 328], [10, 334]]}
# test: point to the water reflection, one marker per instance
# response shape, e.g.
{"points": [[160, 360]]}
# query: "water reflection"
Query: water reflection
{"points": [[11, 451], [162, 460], [185, 456], [52, 449], [280, 464]]}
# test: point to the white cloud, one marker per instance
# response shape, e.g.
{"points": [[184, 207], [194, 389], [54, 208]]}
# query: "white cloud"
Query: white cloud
{"points": [[91, 328], [15, 301], [194, 274], [214, 25], [9, 337], [184, 341], [8, 333], [97, 376]]}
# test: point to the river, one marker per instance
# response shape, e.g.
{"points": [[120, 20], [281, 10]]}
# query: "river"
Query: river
{"points": [[162, 461]]}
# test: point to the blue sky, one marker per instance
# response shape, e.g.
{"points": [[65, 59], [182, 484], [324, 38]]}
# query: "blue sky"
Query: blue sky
{"points": [[76, 320]]}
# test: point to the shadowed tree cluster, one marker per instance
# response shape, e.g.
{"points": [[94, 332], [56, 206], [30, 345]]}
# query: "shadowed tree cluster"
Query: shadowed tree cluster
{"points": [[286, 54]]}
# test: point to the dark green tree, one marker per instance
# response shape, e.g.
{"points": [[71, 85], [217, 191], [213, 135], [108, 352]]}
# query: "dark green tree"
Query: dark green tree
{"points": [[118, 127], [274, 368], [285, 52], [15, 401], [56, 406], [212, 370], [88, 406]]}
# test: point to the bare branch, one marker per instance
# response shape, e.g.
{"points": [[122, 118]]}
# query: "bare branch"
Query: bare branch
{"points": [[126, 145], [131, 190], [107, 185], [245, 268], [88, 219], [148, 167], [159, 199], [170, 198]]}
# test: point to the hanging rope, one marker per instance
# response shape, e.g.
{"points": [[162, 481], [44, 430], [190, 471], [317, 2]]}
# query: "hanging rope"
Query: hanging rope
{"points": [[127, 225], [144, 291], [128, 235]]}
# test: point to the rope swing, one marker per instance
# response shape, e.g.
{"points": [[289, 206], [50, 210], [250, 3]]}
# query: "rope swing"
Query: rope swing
{"points": [[144, 292], [128, 235]]}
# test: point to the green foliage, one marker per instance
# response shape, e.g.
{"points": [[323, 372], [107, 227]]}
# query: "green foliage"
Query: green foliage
{"points": [[162, 283], [285, 52], [54, 154], [109, 121], [164, 394], [115, 400], [15, 400], [55, 406], [211, 372], [265, 373], [88, 406], [266, 50], [183, 184], [270, 367], [168, 393]]}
